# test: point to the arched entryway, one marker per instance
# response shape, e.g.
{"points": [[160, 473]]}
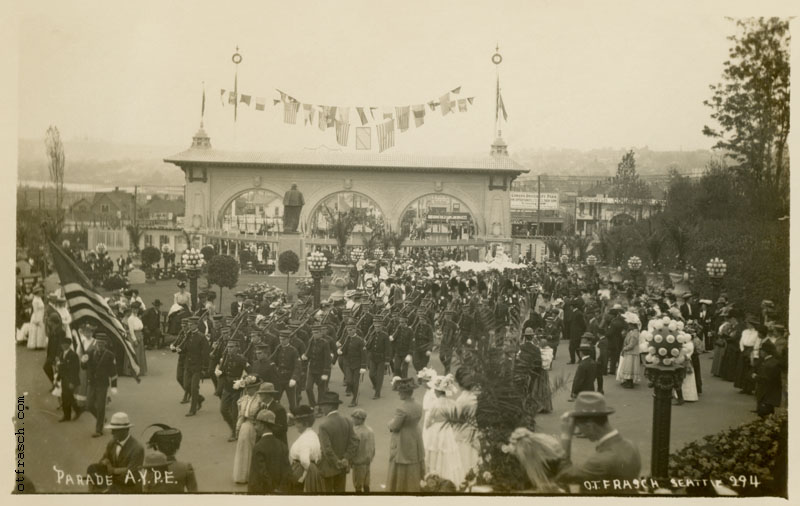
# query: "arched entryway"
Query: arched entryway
{"points": [[438, 216], [366, 213], [253, 211]]}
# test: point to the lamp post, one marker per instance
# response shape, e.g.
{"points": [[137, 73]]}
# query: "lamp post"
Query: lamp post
{"points": [[192, 261], [716, 269], [665, 370], [634, 264], [317, 262], [591, 261]]}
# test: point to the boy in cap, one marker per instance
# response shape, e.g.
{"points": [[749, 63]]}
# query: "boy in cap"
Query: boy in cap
{"points": [[68, 373], [365, 452]]}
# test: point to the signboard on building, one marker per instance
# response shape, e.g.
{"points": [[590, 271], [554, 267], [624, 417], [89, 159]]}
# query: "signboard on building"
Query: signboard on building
{"points": [[529, 201]]}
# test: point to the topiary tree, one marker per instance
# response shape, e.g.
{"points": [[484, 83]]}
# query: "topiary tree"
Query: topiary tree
{"points": [[150, 256], [208, 252], [288, 263], [223, 271]]}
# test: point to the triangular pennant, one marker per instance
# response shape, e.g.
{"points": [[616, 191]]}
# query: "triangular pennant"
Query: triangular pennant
{"points": [[456, 90], [222, 96], [470, 99], [362, 115]]}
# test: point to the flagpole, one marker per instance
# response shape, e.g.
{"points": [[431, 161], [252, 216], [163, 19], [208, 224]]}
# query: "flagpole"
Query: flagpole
{"points": [[203, 106], [497, 59], [237, 59]]}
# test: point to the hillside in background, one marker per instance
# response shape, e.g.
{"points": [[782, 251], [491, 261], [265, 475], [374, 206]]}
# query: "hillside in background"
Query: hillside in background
{"points": [[98, 162]]}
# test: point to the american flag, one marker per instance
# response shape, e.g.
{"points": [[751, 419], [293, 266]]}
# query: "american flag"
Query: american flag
{"points": [[342, 132], [385, 135], [87, 305], [290, 112]]}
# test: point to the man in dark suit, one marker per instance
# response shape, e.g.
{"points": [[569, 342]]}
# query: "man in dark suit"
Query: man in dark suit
{"points": [[54, 330], [615, 333], [269, 465], [338, 442], [586, 373], [689, 309], [151, 322], [68, 373], [269, 396], [769, 388], [354, 354], [101, 367], [237, 305], [576, 326], [196, 362], [379, 349], [614, 457], [123, 457]]}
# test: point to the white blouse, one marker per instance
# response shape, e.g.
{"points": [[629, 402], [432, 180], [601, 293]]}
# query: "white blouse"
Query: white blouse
{"points": [[134, 324], [306, 448], [749, 338]]}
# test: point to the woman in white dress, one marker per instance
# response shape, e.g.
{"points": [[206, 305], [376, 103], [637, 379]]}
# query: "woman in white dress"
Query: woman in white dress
{"points": [[250, 404], [425, 377], [689, 386], [87, 347], [466, 409], [442, 454], [305, 454], [37, 339], [63, 312], [135, 329]]}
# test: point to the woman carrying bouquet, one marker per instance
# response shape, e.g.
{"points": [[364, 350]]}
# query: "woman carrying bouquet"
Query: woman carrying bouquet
{"points": [[630, 370]]}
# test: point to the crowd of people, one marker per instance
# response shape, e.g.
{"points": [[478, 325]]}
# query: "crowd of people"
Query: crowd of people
{"points": [[393, 318]]}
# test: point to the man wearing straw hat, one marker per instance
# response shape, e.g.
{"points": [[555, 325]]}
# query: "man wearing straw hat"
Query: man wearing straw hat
{"points": [[614, 457], [123, 457]]}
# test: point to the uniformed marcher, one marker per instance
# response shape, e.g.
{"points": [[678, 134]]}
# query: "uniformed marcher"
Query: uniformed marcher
{"points": [[355, 357], [197, 349], [449, 339], [263, 367], [317, 361], [423, 341], [178, 347], [231, 368], [379, 352], [287, 365], [402, 341]]}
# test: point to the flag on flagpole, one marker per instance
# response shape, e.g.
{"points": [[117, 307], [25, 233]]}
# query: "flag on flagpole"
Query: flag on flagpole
{"points": [[290, 112], [462, 105], [385, 135], [245, 99], [456, 91], [87, 305], [402, 117], [235, 94], [419, 115], [203, 107], [260, 103], [470, 99], [444, 101], [232, 97], [362, 115], [500, 106]]}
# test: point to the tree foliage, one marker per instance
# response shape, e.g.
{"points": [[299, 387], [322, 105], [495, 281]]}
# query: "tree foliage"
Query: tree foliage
{"points": [[751, 107], [134, 234], [288, 262], [341, 225], [223, 271], [626, 184], [55, 154], [150, 255], [208, 252]]}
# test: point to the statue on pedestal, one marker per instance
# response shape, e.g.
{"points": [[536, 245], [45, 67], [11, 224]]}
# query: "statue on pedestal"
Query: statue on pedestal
{"points": [[292, 205]]}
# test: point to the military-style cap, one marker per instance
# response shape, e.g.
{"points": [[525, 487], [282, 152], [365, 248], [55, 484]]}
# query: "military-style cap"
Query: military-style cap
{"points": [[262, 346], [285, 333]]}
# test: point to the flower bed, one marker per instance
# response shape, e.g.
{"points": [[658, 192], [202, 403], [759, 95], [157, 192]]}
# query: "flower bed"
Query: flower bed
{"points": [[750, 450]]}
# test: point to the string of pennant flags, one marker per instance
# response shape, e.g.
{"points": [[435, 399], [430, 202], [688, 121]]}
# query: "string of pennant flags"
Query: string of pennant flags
{"points": [[385, 120]]}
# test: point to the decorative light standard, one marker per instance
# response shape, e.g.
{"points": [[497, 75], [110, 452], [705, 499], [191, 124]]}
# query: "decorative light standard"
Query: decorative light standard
{"points": [[592, 275], [317, 262], [634, 264], [716, 269], [192, 261], [665, 369], [564, 259]]}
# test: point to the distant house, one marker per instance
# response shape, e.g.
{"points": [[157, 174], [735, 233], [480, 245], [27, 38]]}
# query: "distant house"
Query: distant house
{"points": [[162, 211], [113, 208], [597, 210]]}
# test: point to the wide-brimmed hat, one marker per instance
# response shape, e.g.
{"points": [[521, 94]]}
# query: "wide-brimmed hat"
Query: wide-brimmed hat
{"points": [[585, 345], [119, 420], [587, 335], [616, 307], [266, 416], [329, 398], [181, 284], [155, 459], [303, 411], [631, 318], [266, 388], [589, 404], [404, 384], [528, 331]]}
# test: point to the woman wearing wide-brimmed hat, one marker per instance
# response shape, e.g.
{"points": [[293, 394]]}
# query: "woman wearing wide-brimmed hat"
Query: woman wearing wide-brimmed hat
{"points": [[630, 368], [37, 338], [305, 454], [406, 454], [250, 404]]}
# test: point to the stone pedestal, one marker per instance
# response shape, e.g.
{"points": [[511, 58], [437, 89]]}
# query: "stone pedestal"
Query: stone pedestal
{"points": [[293, 242]]}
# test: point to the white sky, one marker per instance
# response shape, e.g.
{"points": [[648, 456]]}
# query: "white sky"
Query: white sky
{"points": [[575, 74]]}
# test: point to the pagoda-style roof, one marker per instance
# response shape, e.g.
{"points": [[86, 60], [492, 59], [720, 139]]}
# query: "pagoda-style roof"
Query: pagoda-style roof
{"points": [[346, 160]]}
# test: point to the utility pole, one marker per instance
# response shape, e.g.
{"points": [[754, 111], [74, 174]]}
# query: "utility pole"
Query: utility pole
{"points": [[539, 205]]}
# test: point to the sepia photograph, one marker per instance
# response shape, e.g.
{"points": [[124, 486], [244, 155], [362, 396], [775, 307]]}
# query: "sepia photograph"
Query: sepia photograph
{"points": [[499, 249]]}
